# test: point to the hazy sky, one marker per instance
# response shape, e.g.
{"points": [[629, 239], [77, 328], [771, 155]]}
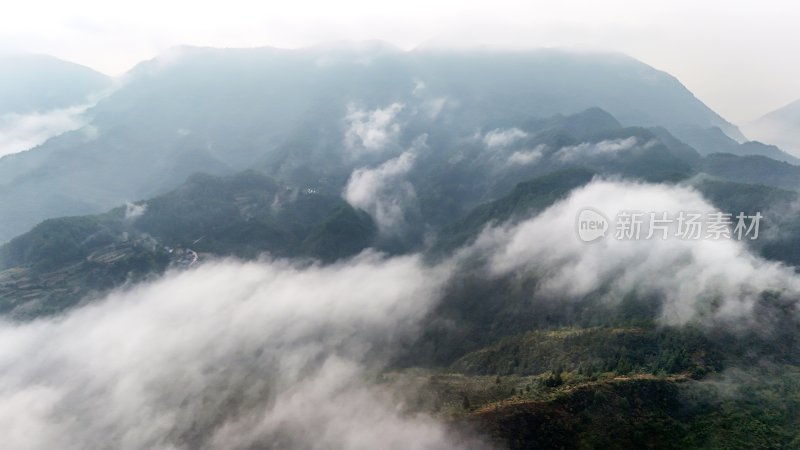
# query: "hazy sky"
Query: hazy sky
{"points": [[740, 57]]}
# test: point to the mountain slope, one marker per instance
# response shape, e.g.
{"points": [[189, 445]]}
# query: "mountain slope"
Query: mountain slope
{"points": [[63, 261], [780, 127], [713, 140], [37, 83], [312, 116], [643, 411], [525, 200], [753, 169]]}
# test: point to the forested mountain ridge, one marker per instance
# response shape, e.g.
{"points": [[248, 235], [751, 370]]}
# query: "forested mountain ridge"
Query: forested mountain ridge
{"points": [[301, 116], [362, 224], [62, 261]]}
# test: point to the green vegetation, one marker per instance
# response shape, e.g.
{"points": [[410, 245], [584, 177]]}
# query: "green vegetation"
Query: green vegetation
{"points": [[345, 231], [528, 371], [596, 350], [63, 261], [753, 169], [649, 412], [622, 408], [57, 242], [779, 229], [248, 214], [525, 200]]}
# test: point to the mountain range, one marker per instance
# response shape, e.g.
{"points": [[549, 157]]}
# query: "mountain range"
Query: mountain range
{"points": [[243, 199], [780, 127], [39, 83], [311, 116]]}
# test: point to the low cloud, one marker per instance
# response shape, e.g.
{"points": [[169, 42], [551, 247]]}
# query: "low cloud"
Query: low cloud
{"points": [[498, 138], [371, 131], [229, 355], [276, 354], [578, 152], [134, 211], [526, 157], [20, 132], [696, 279], [384, 192]]}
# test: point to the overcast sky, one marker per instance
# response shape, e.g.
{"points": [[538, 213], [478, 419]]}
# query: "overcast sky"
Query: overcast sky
{"points": [[740, 57]]}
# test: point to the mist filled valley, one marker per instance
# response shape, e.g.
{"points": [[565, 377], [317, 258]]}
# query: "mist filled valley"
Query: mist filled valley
{"points": [[361, 246]]}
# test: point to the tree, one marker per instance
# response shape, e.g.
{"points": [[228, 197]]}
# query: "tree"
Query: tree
{"points": [[555, 378], [466, 404]]}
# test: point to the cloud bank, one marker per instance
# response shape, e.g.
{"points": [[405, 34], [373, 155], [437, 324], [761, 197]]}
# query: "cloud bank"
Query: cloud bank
{"points": [[229, 355], [696, 279], [274, 354]]}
